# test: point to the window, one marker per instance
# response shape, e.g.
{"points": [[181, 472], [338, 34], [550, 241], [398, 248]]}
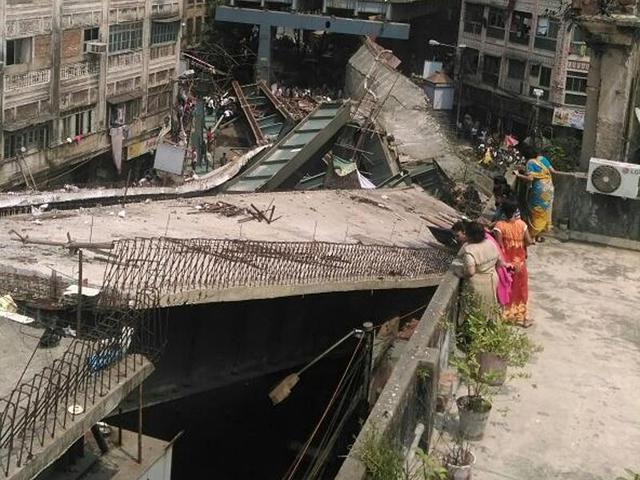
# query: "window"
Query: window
{"points": [[516, 69], [198, 29], [491, 70], [80, 123], [473, 14], [126, 36], [164, 32], [576, 88], [520, 28], [18, 51], [470, 61], [32, 139], [578, 43], [546, 33], [497, 23], [540, 77], [159, 99], [90, 35], [189, 30], [124, 113]]}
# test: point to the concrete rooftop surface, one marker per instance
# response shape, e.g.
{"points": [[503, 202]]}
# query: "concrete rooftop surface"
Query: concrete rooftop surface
{"points": [[386, 217], [578, 416]]}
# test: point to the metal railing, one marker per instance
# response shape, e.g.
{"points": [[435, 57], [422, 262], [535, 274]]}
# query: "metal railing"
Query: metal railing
{"points": [[23, 81], [72, 71]]}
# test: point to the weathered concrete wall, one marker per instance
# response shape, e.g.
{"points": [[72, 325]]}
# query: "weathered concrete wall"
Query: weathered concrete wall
{"points": [[593, 216], [406, 400]]}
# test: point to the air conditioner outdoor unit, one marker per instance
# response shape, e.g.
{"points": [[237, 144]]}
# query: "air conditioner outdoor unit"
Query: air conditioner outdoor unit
{"points": [[96, 47], [613, 178]]}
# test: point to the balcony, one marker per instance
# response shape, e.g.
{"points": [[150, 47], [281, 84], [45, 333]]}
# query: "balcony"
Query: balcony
{"points": [[514, 85], [122, 61], [27, 80], [164, 8], [73, 71], [159, 51]]}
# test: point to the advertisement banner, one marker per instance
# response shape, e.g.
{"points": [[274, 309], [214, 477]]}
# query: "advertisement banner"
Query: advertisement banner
{"points": [[140, 148], [568, 117]]}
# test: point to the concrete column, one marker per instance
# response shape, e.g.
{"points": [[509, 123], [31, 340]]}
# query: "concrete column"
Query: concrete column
{"points": [[387, 13], [101, 110], [294, 5], [56, 45], [355, 8], [324, 6], [146, 42], [3, 6], [263, 66], [591, 111]]}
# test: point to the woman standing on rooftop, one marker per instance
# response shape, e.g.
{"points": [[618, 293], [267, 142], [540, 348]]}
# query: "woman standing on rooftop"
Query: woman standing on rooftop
{"points": [[540, 198], [513, 237]]}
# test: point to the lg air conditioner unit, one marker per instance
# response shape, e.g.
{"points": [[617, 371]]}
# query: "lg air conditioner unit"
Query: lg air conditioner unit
{"points": [[613, 178], [96, 48]]}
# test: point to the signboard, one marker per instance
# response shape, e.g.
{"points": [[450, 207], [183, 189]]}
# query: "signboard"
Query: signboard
{"points": [[568, 117], [140, 148], [578, 66], [169, 158]]}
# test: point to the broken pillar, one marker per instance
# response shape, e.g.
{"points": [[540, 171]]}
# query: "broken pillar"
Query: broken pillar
{"points": [[613, 87], [263, 65]]}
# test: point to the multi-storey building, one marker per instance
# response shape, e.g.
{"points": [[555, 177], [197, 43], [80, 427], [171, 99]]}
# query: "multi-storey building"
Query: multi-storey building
{"points": [[515, 48], [195, 12], [74, 69]]}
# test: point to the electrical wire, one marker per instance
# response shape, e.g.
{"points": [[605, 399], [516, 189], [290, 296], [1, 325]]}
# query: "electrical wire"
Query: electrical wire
{"points": [[292, 470]]}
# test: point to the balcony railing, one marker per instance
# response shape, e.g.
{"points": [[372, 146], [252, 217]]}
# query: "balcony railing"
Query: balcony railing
{"points": [[124, 60], [72, 71], [514, 85], [164, 9], [160, 51], [27, 80]]}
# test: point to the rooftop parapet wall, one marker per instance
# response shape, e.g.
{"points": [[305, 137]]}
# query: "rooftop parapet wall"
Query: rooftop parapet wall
{"points": [[408, 397]]}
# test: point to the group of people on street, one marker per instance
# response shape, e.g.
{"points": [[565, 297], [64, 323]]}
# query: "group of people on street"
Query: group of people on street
{"points": [[493, 257]]}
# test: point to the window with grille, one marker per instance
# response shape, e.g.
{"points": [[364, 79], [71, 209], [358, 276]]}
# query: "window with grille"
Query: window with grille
{"points": [[496, 24], [540, 78], [80, 123], [576, 88], [164, 32], [547, 33], [125, 36], [32, 139], [470, 61], [90, 35], [491, 70], [520, 31], [578, 43], [473, 14]]}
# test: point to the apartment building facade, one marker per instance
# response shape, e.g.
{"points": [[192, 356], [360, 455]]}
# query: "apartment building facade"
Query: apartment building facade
{"points": [[73, 70], [515, 49], [195, 13]]}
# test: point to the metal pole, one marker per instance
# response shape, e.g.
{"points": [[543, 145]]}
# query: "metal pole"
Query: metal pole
{"points": [[120, 427], [140, 423], [79, 312], [458, 67], [369, 333]]}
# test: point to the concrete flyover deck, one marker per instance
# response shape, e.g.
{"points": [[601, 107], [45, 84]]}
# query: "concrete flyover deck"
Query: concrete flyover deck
{"points": [[578, 416], [350, 221]]}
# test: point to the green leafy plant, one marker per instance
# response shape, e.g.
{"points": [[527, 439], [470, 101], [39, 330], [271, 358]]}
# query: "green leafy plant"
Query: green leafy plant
{"points": [[630, 475], [384, 461]]}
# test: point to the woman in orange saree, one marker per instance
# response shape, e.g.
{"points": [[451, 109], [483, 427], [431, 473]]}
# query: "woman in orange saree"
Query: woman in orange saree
{"points": [[513, 237]]}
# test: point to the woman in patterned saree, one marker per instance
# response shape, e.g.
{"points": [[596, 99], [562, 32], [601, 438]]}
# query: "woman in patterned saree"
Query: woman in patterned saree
{"points": [[513, 237], [540, 198]]}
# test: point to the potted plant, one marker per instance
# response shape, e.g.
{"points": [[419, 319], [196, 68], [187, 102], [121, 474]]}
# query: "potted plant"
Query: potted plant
{"points": [[475, 407], [460, 460], [497, 346]]}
